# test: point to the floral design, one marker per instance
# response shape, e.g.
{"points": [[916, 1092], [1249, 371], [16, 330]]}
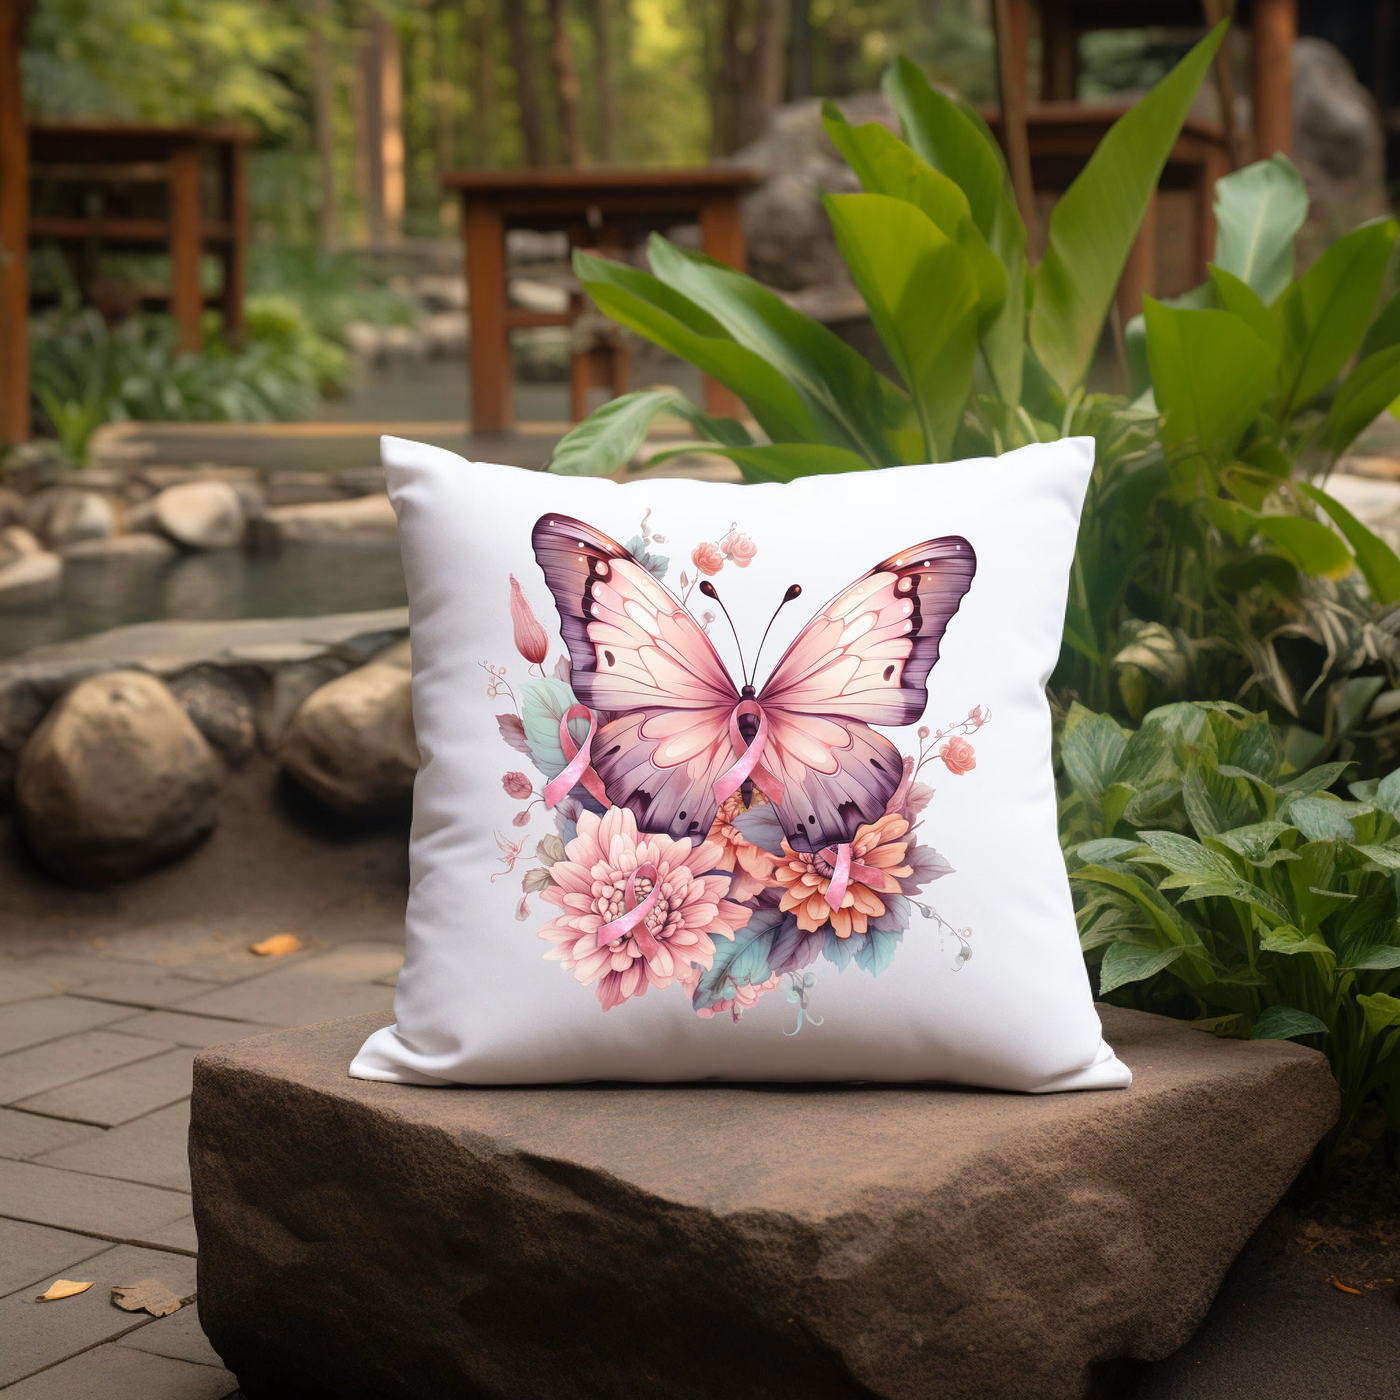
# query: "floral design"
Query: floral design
{"points": [[589, 888], [728, 916]]}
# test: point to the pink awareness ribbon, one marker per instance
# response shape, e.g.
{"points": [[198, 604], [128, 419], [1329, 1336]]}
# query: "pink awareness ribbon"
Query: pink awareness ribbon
{"points": [[634, 920], [843, 869], [578, 769], [732, 779]]}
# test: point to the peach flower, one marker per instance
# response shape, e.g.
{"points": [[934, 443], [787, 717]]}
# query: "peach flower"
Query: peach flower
{"points": [[740, 548], [743, 998], [589, 889], [753, 866], [530, 640], [958, 756], [806, 877], [707, 558]]}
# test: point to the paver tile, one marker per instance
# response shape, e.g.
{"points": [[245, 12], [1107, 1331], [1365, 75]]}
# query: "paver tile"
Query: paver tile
{"points": [[183, 1029], [34, 1335], [30, 1254], [117, 1372], [338, 983], [25, 1073], [19, 983], [122, 1094], [28, 1134], [142, 988], [178, 1235], [95, 1205], [26, 1023], [153, 1149], [178, 1335], [64, 971]]}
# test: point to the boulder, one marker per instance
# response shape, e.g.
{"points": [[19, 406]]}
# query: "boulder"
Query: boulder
{"points": [[365, 521], [11, 507], [62, 515], [29, 574], [222, 710], [201, 514], [351, 743], [115, 781], [687, 1241], [301, 488], [155, 548]]}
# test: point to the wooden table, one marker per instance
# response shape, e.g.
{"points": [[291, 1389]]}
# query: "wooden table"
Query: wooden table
{"points": [[175, 189], [598, 207]]}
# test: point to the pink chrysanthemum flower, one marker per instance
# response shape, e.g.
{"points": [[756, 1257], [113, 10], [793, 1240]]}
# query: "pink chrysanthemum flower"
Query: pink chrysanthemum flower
{"points": [[590, 887]]}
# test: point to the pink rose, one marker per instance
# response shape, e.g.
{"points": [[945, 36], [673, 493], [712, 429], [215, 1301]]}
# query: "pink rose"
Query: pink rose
{"points": [[740, 548], [707, 558], [958, 756], [517, 785], [530, 640]]}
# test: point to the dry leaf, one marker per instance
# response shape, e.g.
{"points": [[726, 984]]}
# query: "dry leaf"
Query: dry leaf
{"points": [[62, 1288], [277, 946], [145, 1295], [1341, 1287]]}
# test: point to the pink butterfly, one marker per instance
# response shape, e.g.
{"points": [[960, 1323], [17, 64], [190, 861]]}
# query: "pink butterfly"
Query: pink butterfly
{"points": [[676, 736]]}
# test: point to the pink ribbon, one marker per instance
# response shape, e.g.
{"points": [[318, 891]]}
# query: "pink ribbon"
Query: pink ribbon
{"points": [[843, 869], [634, 920], [578, 769], [732, 779]]}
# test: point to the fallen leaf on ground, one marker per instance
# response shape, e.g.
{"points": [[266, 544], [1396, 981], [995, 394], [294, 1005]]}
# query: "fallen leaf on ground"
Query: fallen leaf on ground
{"points": [[1341, 1287], [62, 1288], [145, 1295], [277, 946]]}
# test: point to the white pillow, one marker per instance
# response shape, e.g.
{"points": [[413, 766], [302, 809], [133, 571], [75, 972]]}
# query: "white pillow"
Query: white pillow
{"points": [[919, 928]]}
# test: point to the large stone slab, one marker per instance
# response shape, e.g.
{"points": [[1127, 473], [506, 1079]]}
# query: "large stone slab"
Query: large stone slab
{"points": [[364, 1240]]}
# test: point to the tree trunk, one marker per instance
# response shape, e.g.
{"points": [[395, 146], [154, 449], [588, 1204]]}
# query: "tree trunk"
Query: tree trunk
{"points": [[603, 78], [800, 51], [527, 96], [731, 71], [566, 81], [768, 66], [486, 85], [383, 129], [323, 81], [445, 126]]}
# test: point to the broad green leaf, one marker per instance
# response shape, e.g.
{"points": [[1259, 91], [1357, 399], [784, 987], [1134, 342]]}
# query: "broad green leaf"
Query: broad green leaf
{"points": [[1106, 848], [1258, 212], [778, 461], [1325, 313], [922, 297], [1363, 396], [1090, 750], [1384, 957], [1240, 299], [643, 304], [1320, 819], [953, 142], [1183, 856], [1387, 795], [1095, 222], [885, 165], [1286, 1023], [1289, 940], [1381, 1011], [1169, 924], [1317, 779], [1385, 329], [1313, 547], [611, 435], [1377, 561], [1215, 802], [1256, 841], [867, 413], [1131, 962], [1210, 373], [1387, 857]]}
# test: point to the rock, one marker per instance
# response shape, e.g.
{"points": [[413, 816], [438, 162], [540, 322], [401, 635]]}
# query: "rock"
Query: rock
{"points": [[446, 333], [115, 781], [29, 576], [288, 690], [156, 548], [351, 743], [301, 488], [360, 481], [11, 507], [590, 1240], [366, 521], [61, 515], [221, 708], [201, 514]]}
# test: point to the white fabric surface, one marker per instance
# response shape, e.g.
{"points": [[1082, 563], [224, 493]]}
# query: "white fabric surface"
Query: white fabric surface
{"points": [[478, 1002]]}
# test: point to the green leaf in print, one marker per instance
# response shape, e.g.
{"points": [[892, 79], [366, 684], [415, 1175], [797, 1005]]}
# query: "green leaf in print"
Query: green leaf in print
{"points": [[543, 704]]}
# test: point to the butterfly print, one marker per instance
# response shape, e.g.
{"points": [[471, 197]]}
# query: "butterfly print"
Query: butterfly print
{"points": [[675, 735]]}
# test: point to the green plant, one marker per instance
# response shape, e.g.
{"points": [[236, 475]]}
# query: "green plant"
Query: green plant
{"points": [[1267, 904]]}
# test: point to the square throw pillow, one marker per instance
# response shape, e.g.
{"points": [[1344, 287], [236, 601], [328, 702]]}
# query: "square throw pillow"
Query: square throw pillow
{"points": [[739, 782]]}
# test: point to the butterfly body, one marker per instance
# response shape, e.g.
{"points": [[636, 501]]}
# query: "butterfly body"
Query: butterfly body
{"points": [[676, 737]]}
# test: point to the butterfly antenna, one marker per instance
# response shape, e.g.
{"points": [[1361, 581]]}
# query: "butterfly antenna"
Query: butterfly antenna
{"points": [[710, 591], [795, 591]]}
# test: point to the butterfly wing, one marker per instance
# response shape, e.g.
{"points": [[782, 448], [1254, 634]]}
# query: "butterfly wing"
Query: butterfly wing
{"points": [[637, 654], [863, 659]]}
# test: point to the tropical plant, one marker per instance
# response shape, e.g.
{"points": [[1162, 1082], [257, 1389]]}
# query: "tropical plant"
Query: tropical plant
{"points": [[1237, 891]]}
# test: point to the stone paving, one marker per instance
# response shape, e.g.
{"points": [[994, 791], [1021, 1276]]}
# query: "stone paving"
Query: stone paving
{"points": [[97, 1037]]}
